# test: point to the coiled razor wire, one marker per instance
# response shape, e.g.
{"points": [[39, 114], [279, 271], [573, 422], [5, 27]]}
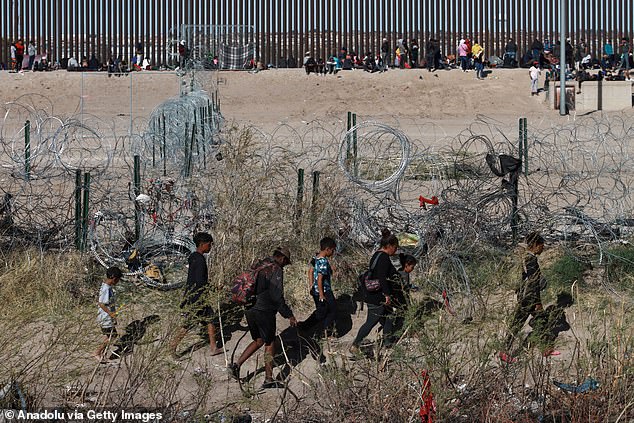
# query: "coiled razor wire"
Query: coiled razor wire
{"points": [[576, 190], [370, 151]]}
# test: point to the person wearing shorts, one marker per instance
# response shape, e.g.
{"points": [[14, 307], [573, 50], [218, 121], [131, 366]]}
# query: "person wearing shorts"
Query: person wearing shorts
{"points": [[261, 317], [196, 310], [107, 310]]}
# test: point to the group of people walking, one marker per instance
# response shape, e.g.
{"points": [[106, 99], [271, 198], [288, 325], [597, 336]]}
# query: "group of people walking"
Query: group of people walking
{"points": [[384, 287]]}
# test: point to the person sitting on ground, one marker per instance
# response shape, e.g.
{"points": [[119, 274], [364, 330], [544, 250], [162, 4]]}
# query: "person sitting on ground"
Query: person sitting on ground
{"points": [[310, 64], [261, 317], [330, 64], [321, 66], [380, 65], [93, 63], [368, 63], [547, 324], [510, 54], [73, 64], [195, 306]]}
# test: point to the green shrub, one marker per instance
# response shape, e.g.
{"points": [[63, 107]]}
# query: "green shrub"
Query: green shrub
{"points": [[564, 271]]}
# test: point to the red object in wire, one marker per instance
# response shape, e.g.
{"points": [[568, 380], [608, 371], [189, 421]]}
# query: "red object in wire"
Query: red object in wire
{"points": [[428, 408], [433, 201], [446, 302]]}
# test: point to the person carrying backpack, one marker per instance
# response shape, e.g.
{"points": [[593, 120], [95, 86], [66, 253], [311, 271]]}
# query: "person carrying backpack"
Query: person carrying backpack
{"points": [[261, 317], [378, 295]]}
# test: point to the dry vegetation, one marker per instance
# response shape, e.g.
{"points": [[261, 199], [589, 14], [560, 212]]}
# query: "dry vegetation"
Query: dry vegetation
{"points": [[47, 316]]}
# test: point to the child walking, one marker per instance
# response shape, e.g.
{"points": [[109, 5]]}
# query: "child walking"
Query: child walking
{"points": [[321, 291], [107, 311], [196, 310]]}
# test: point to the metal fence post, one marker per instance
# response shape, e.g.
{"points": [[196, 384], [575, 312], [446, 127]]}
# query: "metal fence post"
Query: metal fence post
{"points": [[84, 217], [78, 210], [137, 192], [27, 150]]}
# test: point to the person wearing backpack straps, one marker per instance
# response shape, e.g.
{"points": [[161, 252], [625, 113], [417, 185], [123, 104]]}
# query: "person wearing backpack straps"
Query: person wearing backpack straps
{"points": [[381, 269], [261, 317]]}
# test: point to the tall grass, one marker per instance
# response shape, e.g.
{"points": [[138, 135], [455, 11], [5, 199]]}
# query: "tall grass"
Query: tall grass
{"points": [[47, 316]]}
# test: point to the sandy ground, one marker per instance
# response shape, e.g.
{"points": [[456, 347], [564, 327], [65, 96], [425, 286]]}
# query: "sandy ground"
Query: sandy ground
{"points": [[450, 100]]}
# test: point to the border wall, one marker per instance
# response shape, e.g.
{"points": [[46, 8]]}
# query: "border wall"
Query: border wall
{"points": [[285, 29]]}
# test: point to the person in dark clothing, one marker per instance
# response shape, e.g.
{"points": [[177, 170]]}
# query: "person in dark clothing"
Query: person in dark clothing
{"points": [[438, 54], [321, 290], [413, 54], [569, 54], [510, 54], [536, 49], [93, 63], [381, 269], [529, 300], [183, 54], [261, 317], [385, 54], [547, 324], [310, 65], [430, 55], [196, 310], [400, 285], [369, 65]]}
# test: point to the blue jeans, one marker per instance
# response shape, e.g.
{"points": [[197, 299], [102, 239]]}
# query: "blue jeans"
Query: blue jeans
{"points": [[464, 61], [479, 67]]}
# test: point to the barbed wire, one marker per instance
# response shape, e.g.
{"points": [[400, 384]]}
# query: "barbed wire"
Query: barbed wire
{"points": [[574, 187]]}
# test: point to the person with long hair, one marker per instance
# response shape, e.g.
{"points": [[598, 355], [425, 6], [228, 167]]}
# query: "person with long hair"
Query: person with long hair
{"points": [[378, 301]]}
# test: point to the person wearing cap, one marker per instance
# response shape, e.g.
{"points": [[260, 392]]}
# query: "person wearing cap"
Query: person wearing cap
{"points": [[534, 73], [261, 317]]}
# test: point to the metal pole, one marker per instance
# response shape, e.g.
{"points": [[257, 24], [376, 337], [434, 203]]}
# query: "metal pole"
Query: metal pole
{"points": [[562, 57], [315, 194], [27, 150], [137, 192], [523, 143], [355, 166], [164, 149], [78, 221], [130, 74], [349, 125], [84, 217], [300, 198]]}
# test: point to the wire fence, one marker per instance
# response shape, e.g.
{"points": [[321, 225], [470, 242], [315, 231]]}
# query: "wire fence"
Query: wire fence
{"points": [[149, 191]]}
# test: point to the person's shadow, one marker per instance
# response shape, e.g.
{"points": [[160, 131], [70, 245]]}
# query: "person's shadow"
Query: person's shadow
{"points": [[294, 345], [134, 333], [231, 317]]}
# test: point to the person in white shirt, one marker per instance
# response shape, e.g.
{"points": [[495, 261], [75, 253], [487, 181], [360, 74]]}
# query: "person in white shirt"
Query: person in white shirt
{"points": [[107, 310], [534, 73]]}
